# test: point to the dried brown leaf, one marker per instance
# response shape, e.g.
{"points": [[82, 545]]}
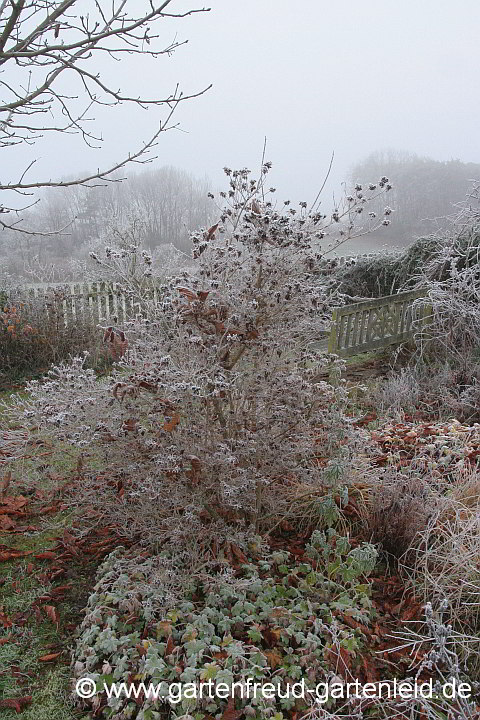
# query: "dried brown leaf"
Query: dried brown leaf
{"points": [[17, 704], [51, 613], [49, 657], [47, 555], [274, 658], [170, 646], [230, 713], [172, 423], [211, 231]]}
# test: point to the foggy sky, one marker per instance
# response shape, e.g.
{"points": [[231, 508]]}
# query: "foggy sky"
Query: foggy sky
{"points": [[314, 77]]}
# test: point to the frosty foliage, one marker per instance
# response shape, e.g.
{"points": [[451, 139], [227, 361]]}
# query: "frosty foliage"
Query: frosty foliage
{"points": [[216, 406], [443, 377], [120, 256], [435, 649], [452, 282]]}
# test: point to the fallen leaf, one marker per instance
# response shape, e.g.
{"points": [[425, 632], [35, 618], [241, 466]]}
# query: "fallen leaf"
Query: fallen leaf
{"points": [[6, 482], [6, 523], [48, 509], [412, 612], [274, 658], [47, 555], [16, 703], [170, 646], [150, 387], [272, 636], [51, 613], [50, 657], [340, 661], [164, 628], [9, 554], [60, 590], [370, 671], [230, 713], [130, 425], [238, 553], [354, 624], [280, 612], [12, 503], [23, 529], [194, 461]]}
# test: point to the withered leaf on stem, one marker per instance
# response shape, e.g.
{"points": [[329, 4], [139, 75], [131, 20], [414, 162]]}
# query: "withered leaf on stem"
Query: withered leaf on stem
{"points": [[211, 231], [189, 294]]}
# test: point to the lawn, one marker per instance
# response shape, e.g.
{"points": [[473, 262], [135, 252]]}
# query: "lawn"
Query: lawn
{"points": [[46, 574]]}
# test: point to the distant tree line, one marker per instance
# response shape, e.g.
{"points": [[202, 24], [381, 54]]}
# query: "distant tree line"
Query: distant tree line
{"points": [[425, 191], [157, 208]]}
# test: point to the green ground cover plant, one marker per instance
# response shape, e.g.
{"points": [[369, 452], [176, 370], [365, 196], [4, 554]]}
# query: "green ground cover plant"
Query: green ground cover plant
{"points": [[273, 620]]}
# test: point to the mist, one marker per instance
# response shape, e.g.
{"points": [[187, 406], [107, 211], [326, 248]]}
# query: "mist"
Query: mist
{"points": [[311, 81]]}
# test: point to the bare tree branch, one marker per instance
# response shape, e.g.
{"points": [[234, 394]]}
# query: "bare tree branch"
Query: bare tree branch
{"points": [[43, 41]]}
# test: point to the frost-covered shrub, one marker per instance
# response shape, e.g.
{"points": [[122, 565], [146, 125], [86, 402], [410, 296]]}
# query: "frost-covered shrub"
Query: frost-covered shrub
{"points": [[441, 390], [443, 377], [120, 257], [387, 273], [436, 650], [399, 506], [453, 330], [214, 409], [33, 335], [452, 287], [443, 562], [274, 619], [428, 260]]}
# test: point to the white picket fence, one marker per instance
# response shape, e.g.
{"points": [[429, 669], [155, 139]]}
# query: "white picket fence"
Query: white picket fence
{"points": [[98, 301], [107, 302]]}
